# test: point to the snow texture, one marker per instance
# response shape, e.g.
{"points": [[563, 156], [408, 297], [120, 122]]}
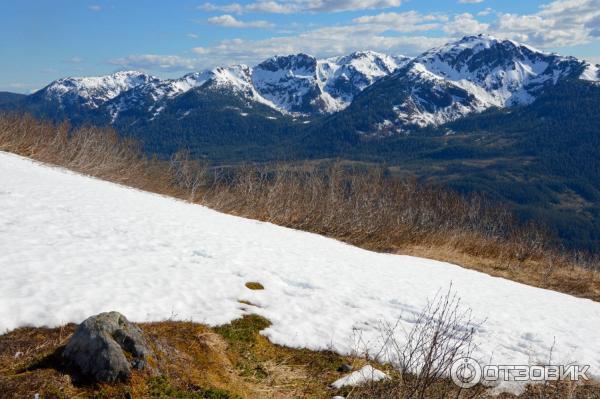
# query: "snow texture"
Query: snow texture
{"points": [[366, 374], [74, 246]]}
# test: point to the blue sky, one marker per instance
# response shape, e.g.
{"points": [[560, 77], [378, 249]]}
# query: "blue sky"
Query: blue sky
{"points": [[42, 40]]}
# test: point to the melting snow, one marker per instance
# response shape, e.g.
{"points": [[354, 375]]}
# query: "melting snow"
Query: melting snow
{"points": [[73, 246], [366, 374]]}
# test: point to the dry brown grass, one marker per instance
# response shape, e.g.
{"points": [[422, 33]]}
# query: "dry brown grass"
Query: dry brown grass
{"points": [[194, 361], [231, 361], [357, 204]]}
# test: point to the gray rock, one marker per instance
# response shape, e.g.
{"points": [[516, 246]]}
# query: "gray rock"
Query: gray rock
{"points": [[105, 347]]}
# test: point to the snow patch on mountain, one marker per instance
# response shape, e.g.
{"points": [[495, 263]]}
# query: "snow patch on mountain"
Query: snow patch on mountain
{"points": [[291, 83], [238, 78], [153, 95], [474, 74], [91, 92], [591, 73], [301, 83], [498, 72], [355, 72]]}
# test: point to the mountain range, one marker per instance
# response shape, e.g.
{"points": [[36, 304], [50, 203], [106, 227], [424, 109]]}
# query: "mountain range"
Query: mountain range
{"points": [[477, 114], [290, 85], [439, 86]]}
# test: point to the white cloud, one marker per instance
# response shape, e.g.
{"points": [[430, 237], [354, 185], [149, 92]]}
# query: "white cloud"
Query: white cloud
{"points": [[272, 7], [95, 8], [485, 12], [470, 1], [293, 6], [155, 62], [192, 36], [465, 24], [410, 21], [230, 21], [233, 7], [323, 42], [557, 24]]}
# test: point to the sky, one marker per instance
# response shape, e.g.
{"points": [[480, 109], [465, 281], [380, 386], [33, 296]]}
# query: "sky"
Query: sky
{"points": [[43, 40]]}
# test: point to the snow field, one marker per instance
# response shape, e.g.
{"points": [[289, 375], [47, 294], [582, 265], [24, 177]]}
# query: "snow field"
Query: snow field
{"points": [[72, 246]]}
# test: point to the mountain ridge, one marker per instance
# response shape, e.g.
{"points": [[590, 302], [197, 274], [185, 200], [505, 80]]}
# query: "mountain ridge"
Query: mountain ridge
{"points": [[441, 85], [324, 85], [469, 76]]}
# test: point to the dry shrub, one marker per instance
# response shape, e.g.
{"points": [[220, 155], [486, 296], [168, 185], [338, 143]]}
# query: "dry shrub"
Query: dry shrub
{"points": [[90, 150], [364, 206], [422, 357], [359, 204]]}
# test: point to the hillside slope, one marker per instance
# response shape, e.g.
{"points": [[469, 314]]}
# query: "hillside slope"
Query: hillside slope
{"points": [[74, 246]]}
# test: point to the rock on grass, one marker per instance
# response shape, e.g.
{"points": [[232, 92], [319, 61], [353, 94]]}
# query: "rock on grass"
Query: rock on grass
{"points": [[105, 347]]}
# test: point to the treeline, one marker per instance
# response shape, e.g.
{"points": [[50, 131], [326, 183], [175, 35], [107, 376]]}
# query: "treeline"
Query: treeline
{"points": [[359, 204]]}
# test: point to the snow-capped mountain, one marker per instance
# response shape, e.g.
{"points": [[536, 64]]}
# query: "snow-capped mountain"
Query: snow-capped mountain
{"points": [[92, 92], [355, 72], [441, 85], [303, 84], [294, 84], [472, 75], [154, 96]]}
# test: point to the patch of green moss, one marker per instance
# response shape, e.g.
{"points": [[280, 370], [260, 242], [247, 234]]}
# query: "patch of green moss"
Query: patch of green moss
{"points": [[243, 331]]}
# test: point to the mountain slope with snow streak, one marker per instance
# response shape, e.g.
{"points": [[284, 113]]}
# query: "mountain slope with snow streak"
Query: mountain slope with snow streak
{"points": [[73, 246], [442, 85], [92, 92], [468, 76], [301, 83], [298, 84], [153, 97]]}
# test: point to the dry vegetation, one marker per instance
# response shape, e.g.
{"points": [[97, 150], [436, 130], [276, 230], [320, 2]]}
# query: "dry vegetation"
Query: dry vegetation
{"points": [[229, 362], [194, 362], [357, 204]]}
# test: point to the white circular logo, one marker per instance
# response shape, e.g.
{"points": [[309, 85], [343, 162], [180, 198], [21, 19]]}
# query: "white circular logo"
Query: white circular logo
{"points": [[466, 372]]}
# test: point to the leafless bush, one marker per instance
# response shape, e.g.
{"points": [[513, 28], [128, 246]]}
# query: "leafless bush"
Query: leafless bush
{"points": [[423, 356], [365, 207], [188, 173]]}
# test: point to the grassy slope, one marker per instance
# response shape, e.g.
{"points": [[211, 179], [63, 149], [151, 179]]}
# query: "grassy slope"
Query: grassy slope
{"points": [[229, 362]]}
